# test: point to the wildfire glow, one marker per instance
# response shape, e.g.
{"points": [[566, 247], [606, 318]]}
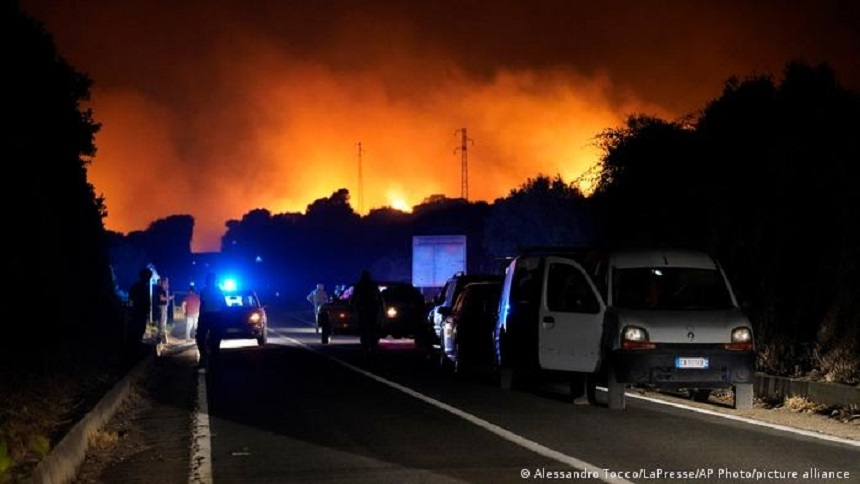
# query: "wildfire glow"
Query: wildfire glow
{"points": [[272, 130]]}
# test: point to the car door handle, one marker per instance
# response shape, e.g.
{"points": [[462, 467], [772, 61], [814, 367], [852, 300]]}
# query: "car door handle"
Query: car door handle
{"points": [[548, 322]]}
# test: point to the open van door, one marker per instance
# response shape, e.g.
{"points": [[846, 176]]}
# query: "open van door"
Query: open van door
{"points": [[571, 318]]}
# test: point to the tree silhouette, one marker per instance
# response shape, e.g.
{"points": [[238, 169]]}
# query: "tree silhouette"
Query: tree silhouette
{"points": [[766, 179], [60, 238], [542, 212]]}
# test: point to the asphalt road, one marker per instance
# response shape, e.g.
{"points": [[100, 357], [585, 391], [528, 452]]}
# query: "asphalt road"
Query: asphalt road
{"points": [[299, 411]]}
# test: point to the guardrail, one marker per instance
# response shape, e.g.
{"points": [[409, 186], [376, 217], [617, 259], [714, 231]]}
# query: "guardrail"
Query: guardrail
{"points": [[834, 394]]}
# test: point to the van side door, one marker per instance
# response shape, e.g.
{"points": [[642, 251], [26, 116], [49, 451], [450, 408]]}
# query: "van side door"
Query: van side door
{"points": [[570, 318]]}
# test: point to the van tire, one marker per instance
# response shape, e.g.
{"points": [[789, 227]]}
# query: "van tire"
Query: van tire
{"points": [[591, 388], [445, 364], [506, 378], [459, 366], [743, 396], [577, 386], [615, 398]]}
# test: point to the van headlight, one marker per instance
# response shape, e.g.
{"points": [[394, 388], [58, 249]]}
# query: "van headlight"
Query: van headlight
{"points": [[255, 318], [391, 312]]}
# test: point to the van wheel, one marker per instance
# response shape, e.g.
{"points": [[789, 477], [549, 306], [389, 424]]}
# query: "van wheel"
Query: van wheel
{"points": [[506, 378], [743, 396], [616, 398], [577, 386], [445, 364], [458, 365], [591, 388]]}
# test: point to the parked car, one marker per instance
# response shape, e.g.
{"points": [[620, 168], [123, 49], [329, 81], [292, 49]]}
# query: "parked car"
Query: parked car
{"points": [[335, 316], [661, 318], [243, 318], [467, 332], [429, 337], [404, 309]]}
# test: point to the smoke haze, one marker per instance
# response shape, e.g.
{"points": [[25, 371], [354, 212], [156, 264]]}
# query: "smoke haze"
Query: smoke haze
{"points": [[214, 109]]}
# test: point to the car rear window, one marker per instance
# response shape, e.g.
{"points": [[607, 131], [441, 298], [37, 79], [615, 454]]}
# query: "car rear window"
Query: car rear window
{"points": [[670, 288]]}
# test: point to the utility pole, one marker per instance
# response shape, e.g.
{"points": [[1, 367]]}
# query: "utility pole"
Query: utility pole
{"points": [[464, 162], [360, 182]]}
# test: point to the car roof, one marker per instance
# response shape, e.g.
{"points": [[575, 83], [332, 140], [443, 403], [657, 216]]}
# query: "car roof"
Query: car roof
{"points": [[482, 286], [633, 258]]}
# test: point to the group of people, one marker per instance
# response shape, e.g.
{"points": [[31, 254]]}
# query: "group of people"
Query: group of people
{"points": [[366, 307], [199, 309]]}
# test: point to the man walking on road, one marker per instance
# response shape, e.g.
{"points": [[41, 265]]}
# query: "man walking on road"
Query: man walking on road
{"points": [[317, 297], [366, 306], [211, 304]]}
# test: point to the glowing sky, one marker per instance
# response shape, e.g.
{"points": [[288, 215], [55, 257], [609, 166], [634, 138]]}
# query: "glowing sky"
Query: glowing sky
{"points": [[214, 108]]}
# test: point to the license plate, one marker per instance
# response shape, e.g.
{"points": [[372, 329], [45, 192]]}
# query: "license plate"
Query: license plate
{"points": [[233, 330], [685, 363]]}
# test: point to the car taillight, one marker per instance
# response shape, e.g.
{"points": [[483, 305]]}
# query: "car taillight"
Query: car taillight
{"points": [[742, 339], [635, 338]]}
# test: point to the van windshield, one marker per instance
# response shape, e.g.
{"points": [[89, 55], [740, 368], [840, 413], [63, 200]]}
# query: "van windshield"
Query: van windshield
{"points": [[670, 288]]}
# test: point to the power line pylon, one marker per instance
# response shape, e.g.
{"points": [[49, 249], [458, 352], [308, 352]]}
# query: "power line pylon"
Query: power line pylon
{"points": [[360, 182], [464, 162]]}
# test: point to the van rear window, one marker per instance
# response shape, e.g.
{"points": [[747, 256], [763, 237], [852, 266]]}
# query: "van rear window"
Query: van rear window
{"points": [[670, 288]]}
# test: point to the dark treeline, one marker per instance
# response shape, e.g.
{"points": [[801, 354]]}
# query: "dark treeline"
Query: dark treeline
{"points": [[765, 177], [61, 293]]}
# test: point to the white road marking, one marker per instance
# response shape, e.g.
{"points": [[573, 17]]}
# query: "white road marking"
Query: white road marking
{"points": [[201, 438], [760, 423], [501, 432], [750, 421]]}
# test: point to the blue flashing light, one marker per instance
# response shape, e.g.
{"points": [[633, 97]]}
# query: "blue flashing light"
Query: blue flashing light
{"points": [[228, 285]]}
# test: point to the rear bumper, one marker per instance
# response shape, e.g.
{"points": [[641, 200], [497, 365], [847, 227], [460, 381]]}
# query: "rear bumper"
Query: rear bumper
{"points": [[247, 331], [342, 325], [659, 367]]}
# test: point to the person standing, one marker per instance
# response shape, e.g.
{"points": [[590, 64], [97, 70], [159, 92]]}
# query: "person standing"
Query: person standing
{"points": [[170, 303], [191, 309], [317, 297], [162, 299], [211, 304], [366, 307], [140, 306]]}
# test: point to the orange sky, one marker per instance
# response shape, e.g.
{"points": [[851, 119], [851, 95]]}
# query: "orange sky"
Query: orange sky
{"points": [[264, 108]]}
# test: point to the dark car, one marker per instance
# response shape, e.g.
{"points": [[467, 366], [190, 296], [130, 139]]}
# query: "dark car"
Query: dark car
{"points": [[403, 309], [243, 318], [335, 316], [403, 312], [467, 332], [430, 336]]}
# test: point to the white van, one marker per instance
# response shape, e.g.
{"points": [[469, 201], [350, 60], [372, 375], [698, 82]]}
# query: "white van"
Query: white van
{"points": [[662, 318]]}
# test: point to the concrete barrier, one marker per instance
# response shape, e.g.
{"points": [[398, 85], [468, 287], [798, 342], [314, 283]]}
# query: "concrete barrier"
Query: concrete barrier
{"points": [[832, 394]]}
